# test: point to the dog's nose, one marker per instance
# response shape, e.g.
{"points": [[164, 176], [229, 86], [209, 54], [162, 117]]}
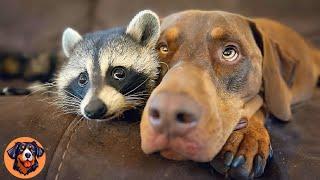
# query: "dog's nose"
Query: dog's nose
{"points": [[175, 114], [95, 109], [28, 155]]}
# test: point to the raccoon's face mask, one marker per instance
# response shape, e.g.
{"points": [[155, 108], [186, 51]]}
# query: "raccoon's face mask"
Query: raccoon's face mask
{"points": [[110, 71]]}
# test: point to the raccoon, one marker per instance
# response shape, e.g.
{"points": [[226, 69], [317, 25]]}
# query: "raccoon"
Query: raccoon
{"points": [[111, 71]]}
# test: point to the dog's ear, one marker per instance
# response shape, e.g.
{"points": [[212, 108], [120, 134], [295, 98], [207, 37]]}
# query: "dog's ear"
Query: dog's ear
{"points": [[145, 28], [12, 152], [277, 73], [39, 150]]}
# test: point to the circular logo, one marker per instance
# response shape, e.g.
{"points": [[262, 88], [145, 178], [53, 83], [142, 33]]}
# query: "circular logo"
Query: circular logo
{"points": [[24, 157]]}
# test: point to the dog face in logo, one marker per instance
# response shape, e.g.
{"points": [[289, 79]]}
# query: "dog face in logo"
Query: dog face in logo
{"points": [[25, 156]]}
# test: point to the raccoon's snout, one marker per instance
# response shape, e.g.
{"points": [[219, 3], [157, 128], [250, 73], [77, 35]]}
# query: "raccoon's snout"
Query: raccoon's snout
{"points": [[95, 109]]}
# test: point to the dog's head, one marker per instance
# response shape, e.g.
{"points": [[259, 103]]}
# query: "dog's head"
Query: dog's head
{"points": [[217, 67], [25, 155]]}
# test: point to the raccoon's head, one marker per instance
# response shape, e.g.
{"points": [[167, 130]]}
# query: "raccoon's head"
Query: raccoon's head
{"points": [[110, 71]]}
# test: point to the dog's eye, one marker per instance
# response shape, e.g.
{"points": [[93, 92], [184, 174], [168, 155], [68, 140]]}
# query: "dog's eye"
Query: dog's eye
{"points": [[163, 48], [230, 53], [83, 79], [119, 73]]}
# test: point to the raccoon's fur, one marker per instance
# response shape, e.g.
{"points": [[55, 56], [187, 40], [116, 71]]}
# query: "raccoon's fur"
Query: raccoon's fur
{"points": [[109, 71]]}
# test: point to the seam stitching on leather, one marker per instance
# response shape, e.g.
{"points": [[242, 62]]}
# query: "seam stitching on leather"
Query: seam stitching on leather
{"points": [[67, 147]]}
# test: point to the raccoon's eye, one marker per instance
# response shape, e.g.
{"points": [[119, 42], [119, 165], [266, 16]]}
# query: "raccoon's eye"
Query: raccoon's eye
{"points": [[119, 73], [83, 79], [230, 53]]}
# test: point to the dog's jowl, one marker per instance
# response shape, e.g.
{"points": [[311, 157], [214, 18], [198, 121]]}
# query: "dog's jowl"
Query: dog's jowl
{"points": [[225, 68]]}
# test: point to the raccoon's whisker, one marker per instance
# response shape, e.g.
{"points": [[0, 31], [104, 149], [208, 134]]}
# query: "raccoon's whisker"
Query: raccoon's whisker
{"points": [[77, 122], [72, 98], [65, 110], [135, 100], [109, 118], [87, 122], [68, 109], [132, 104], [144, 91], [67, 105], [65, 113], [43, 85], [66, 101], [139, 94], [59, 113], [137, 87], [88, 125], [135, 97], [71, 94], [49, 92]]}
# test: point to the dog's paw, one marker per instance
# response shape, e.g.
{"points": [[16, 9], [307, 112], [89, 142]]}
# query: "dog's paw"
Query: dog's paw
{"points": [[245, 154]]}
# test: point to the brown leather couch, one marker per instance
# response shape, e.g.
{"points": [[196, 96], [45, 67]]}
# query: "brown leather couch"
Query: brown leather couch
{"points": [[111, 150]]}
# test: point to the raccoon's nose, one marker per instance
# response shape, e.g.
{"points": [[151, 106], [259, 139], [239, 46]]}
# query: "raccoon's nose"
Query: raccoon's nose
{"points": [[95, 109]]}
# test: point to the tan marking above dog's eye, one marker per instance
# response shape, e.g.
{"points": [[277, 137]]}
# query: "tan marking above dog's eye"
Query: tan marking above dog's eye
{"points": [[218, 33], [172, 34], [230, 53]]}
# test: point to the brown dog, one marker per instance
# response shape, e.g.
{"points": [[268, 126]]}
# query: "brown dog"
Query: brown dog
{"points": [[220, 64]]}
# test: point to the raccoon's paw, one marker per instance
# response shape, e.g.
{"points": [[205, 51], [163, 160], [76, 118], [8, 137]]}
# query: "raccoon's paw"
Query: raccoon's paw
{"points": [[245, 154]]}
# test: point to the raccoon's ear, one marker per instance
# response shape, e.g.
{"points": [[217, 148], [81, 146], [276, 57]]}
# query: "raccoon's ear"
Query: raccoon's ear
{"points": [[70, 38], [145, 28]]}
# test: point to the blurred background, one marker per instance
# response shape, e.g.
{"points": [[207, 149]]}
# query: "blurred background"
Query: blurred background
{"points": [[33, 26], [36, 25]]}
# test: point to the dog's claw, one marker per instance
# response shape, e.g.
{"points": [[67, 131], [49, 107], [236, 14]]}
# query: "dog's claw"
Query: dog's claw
{"points": [[271, 152], [228, 157], [239, 173], [238, 161], [258, 166]]}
